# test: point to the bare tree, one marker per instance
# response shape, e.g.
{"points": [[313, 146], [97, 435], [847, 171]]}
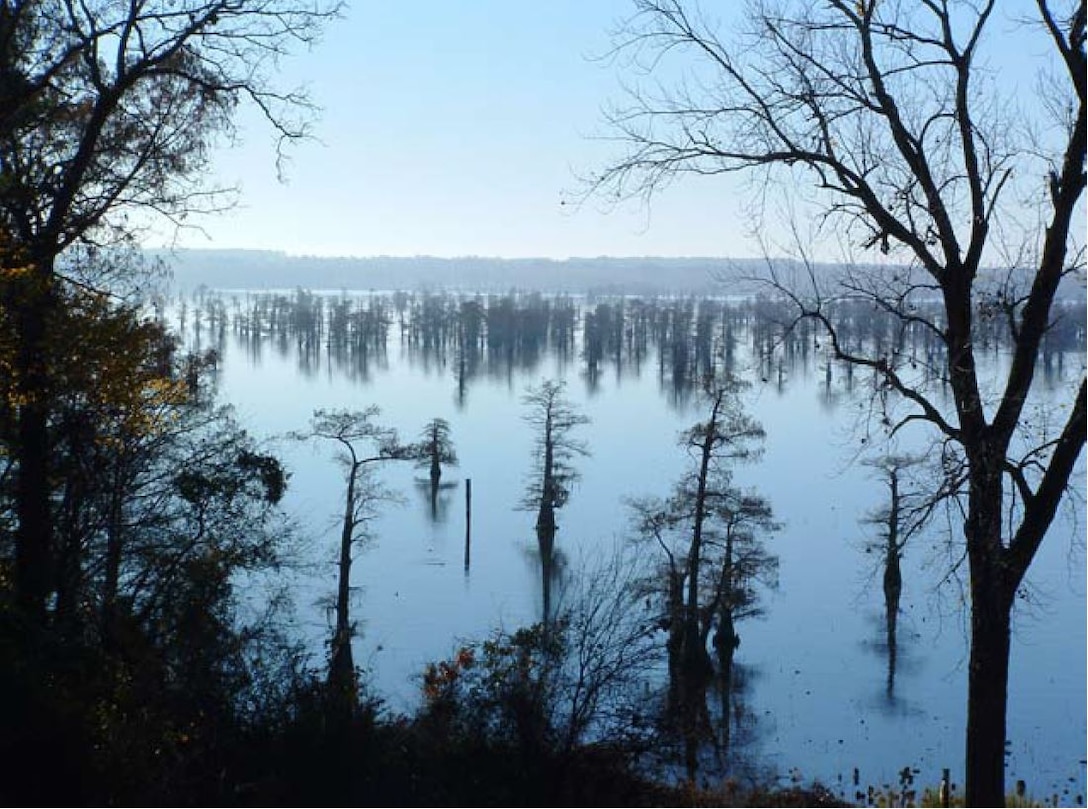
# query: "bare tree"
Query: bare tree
{"points": [[901, 130], [610, 651], [108, 112], [551, 688], [361, 444]]}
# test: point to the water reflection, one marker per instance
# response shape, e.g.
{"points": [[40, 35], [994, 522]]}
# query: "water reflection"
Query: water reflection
{"points": [[437, 500], [552, 573], [471, 337], [715, 734]]}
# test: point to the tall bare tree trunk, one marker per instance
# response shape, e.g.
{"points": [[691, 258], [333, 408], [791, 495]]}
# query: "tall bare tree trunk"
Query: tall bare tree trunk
{"points": [[31, 300], [987, 689], [342, 683], [991, 614]]}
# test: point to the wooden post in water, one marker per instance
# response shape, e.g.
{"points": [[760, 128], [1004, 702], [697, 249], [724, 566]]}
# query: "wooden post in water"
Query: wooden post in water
{"points": [[468, 522]]}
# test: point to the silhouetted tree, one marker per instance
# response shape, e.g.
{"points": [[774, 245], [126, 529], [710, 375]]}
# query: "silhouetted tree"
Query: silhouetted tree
{"points": [[726, 437], [910, 506], [913, 149], [553, 419], [162, 502], [711, 535], [435, 449], [360, 445], [546, 689]]}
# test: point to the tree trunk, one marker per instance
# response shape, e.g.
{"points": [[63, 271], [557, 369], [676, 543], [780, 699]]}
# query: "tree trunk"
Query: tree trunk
{"points": [[545, 537], [436, 479], [696, 660], [545, 519], [32, 300], [436, 469], [726, 640], [341, 661], [987, 685]]}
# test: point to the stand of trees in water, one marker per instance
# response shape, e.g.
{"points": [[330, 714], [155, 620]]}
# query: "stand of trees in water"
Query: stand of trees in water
{"points": [[681, 340], [709, 534]]}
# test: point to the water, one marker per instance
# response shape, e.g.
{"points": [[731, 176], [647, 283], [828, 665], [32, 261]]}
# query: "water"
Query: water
{"points": [[817, 700]]}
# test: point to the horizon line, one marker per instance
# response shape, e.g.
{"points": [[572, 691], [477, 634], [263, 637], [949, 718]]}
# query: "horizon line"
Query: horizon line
{"points": [[456, 257]]}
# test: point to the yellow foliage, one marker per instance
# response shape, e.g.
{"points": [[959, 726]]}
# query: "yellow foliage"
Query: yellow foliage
{"points": [[101, 358], [8, 274]]}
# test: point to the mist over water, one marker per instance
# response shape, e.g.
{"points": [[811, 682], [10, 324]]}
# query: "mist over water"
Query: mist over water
{"points": [[820, 691]]}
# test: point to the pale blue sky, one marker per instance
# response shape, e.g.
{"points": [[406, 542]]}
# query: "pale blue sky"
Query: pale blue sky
{"points": [[457, 127]]}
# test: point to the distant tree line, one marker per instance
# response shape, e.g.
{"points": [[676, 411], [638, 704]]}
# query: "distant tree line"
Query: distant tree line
{"points": [[683, 339]]}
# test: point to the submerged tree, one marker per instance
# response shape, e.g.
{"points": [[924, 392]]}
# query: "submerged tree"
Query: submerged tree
{"points": [[435, 449], [908, 511], [361, 444], [713, 511], [553, 418], [918, 140], [711, 534]]}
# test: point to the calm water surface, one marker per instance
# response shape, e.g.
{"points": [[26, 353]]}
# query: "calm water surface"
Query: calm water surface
{"points": [[817, 702]]}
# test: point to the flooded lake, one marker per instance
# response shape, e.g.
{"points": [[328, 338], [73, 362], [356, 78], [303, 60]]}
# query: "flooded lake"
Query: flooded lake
{"points": [[819, 694]]}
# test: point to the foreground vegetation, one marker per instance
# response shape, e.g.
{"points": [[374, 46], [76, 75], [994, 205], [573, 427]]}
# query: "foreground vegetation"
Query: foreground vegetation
{"points": [[248, 725]]}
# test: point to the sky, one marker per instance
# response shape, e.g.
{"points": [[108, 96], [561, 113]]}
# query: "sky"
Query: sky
{"points": [[461, 128], [455, 129]]}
